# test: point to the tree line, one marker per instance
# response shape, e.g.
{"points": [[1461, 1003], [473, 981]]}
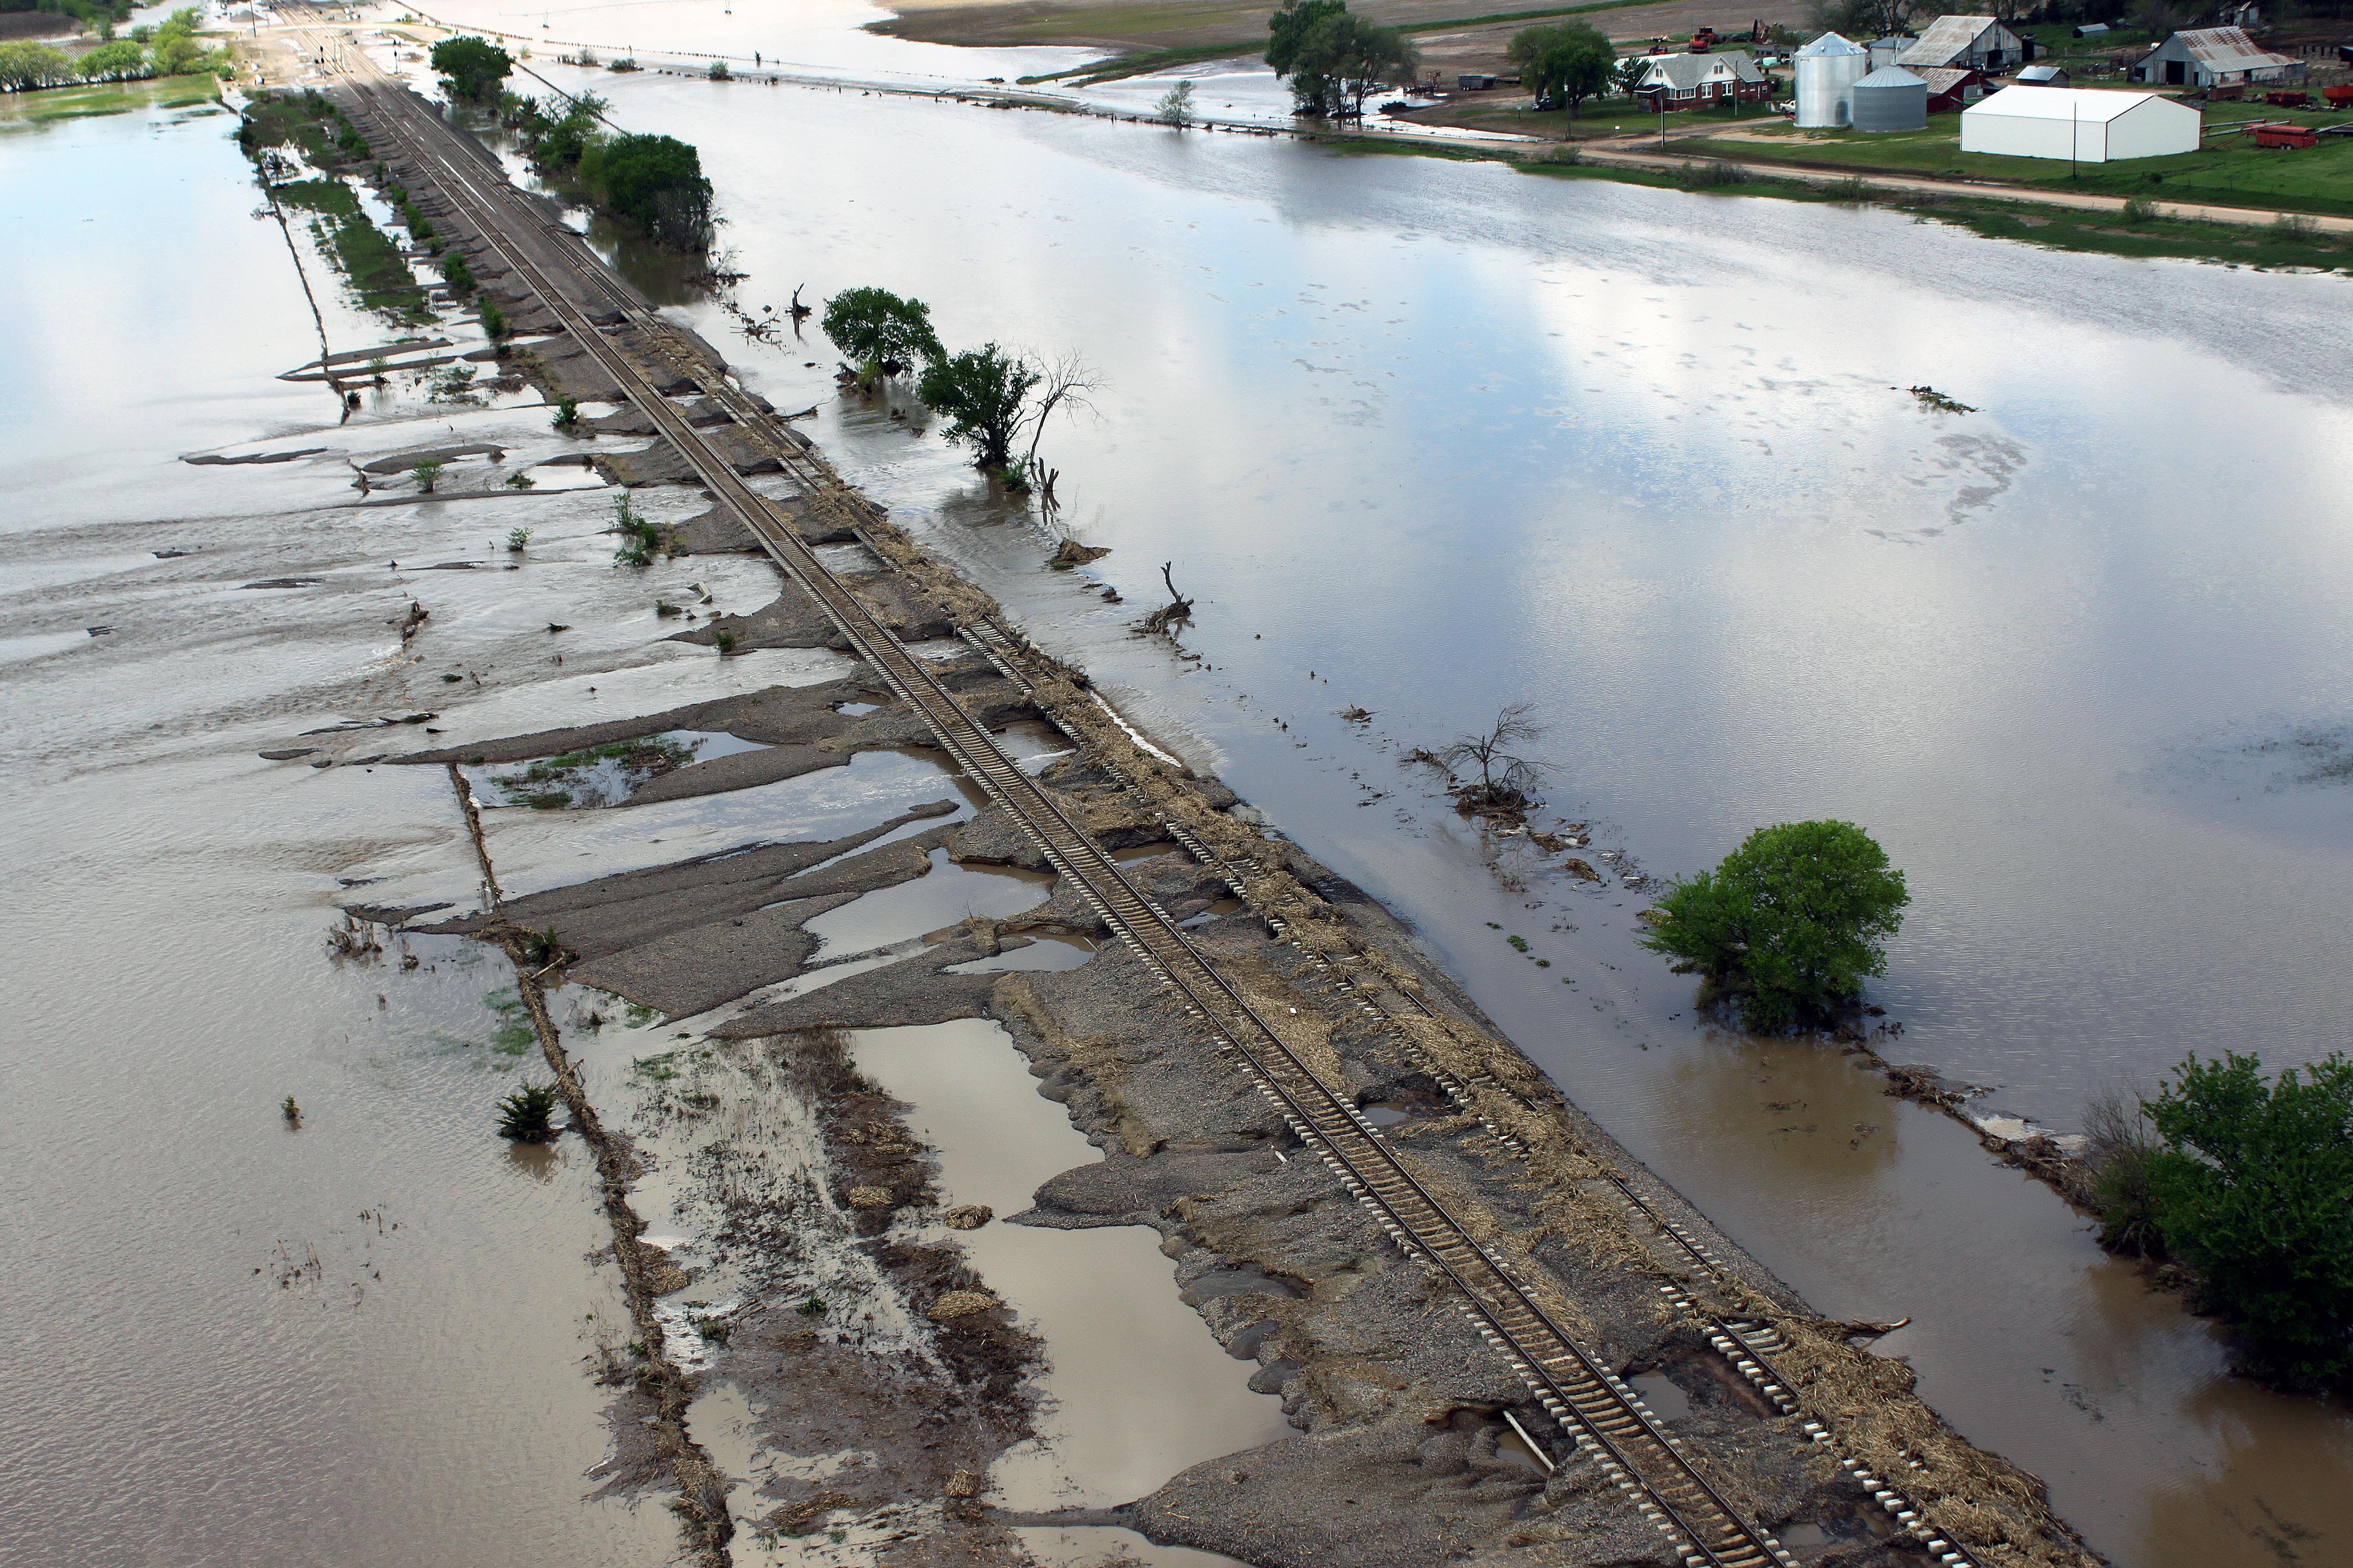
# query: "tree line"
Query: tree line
{"points": [[654, 184], [169, 48]]}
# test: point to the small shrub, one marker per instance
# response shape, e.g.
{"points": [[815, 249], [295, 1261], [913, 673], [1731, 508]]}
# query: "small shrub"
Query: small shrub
{"points": [[460, 277], [1519, 943], [518, 538], [664, 609], [567, 415], [1854, 188], [2294, 226], [528, 1115], [291, 1112], [2138, 210], [428, 474], [718, 71], [494, 322], [542, 948], [812, 1308], [520, 480], [640, 539], [724, 640], [1714, 172]]}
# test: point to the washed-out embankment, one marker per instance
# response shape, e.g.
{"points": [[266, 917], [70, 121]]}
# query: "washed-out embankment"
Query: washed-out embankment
{"points": [[1406, 1453]]}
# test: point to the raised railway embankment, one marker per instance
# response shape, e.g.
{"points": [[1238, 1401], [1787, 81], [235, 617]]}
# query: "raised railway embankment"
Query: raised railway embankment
{"points": [[1372, 1192]]}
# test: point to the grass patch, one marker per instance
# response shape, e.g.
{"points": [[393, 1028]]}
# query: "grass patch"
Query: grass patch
{"points": [[361, 252], [549, 783], [112, 98]]}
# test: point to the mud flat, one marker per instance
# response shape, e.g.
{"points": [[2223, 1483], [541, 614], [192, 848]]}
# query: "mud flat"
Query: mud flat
{"points": [[790, 1167]]}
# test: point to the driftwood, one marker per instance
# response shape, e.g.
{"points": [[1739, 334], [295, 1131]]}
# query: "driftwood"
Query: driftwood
{"points": [[1176, 612]]}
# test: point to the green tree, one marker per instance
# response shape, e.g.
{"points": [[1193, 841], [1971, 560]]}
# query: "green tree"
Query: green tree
{"points": [[881, 333], [1630, 73], [656, 182], [984, 395], [120, 60], [2254, 1190], [1567, 60], [1289, 27], [175, 51], [475, 68], [1338, 58], [1797, 918], [1176, 105], [25, 67]]}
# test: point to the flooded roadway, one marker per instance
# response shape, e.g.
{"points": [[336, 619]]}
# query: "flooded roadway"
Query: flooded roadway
{"points": [[2082, 695]]}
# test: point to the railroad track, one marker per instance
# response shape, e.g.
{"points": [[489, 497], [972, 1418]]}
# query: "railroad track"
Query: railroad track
{"points": [[1601, 1415]]}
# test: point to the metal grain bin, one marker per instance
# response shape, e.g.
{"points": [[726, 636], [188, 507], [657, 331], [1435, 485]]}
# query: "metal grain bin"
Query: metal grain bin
{"points": [[1827, 70], [1891, 99]]}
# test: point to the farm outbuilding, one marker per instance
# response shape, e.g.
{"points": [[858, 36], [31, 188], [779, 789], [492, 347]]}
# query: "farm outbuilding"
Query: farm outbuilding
{"points": [[1891, 99], [2039, 76], [2214, 56], [2081, 124], [1950, 88], [1980, 43]]}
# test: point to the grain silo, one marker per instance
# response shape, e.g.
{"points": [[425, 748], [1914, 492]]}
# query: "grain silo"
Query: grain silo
{"points": [[1827, 69], [1890, 99]]}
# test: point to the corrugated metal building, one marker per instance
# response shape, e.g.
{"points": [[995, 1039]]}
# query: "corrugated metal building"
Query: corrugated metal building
{"points": [[1980, 43], [2214, 56], [2081, 123]]}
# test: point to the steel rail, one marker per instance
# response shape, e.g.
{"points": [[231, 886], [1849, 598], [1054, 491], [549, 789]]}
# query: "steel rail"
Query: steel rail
{"points": [[1603, 1415]]}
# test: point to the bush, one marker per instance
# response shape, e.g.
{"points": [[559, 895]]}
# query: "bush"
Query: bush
{"points": [[494, 322], [2253, 1185], [2138, 210], [984, 393], [567, 415], [1795, 919], [641, 537], [460, 275], [528, 1115]]}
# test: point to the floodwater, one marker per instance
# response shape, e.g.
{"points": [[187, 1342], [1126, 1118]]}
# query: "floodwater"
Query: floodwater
{"points": [[1137, 1389], [2078, 660]]}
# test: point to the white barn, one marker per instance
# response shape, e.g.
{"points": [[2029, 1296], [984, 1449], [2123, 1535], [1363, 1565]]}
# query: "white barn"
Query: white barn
{"points": [[2081, 123]]}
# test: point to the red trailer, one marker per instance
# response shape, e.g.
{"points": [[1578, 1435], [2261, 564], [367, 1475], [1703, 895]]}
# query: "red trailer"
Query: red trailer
{"points": [[2339, 97], [2279, 99], [2287, 136]]}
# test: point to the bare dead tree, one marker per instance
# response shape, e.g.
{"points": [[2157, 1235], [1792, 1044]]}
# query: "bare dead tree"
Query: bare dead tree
{"points": [[1507, 780], [1064, 383], [800, 312], [1176, 611]]}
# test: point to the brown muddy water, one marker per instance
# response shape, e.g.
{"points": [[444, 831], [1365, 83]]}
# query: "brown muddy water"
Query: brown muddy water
{"points": [[2078, 660], [1428, 437]]}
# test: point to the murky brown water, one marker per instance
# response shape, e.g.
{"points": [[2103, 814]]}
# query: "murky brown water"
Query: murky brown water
{"points": [[2078, 660]]}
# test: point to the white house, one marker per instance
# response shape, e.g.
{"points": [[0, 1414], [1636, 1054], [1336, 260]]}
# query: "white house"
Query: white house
{"points": [[1970, 43], [2087, 125]]}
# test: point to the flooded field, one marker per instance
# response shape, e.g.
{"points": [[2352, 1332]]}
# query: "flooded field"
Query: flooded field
{"points": [[1645, 458], [1423, 438]]}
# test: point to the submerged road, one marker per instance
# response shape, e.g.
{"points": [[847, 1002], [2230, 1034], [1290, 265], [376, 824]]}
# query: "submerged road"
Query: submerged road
{"points": [[652, 361]]}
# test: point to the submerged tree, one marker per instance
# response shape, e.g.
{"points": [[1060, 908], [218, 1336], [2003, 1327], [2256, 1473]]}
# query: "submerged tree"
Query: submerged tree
{"points": [[883, 333], [1507, 779], [475, 68], [1795, 919], [2252, 1187], [1176, 105], [656, 182], [984, 393]]}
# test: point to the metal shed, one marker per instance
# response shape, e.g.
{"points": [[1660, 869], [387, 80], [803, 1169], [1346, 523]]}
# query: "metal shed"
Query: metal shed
{"points": [[1891, 99], [2081, 123]]}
